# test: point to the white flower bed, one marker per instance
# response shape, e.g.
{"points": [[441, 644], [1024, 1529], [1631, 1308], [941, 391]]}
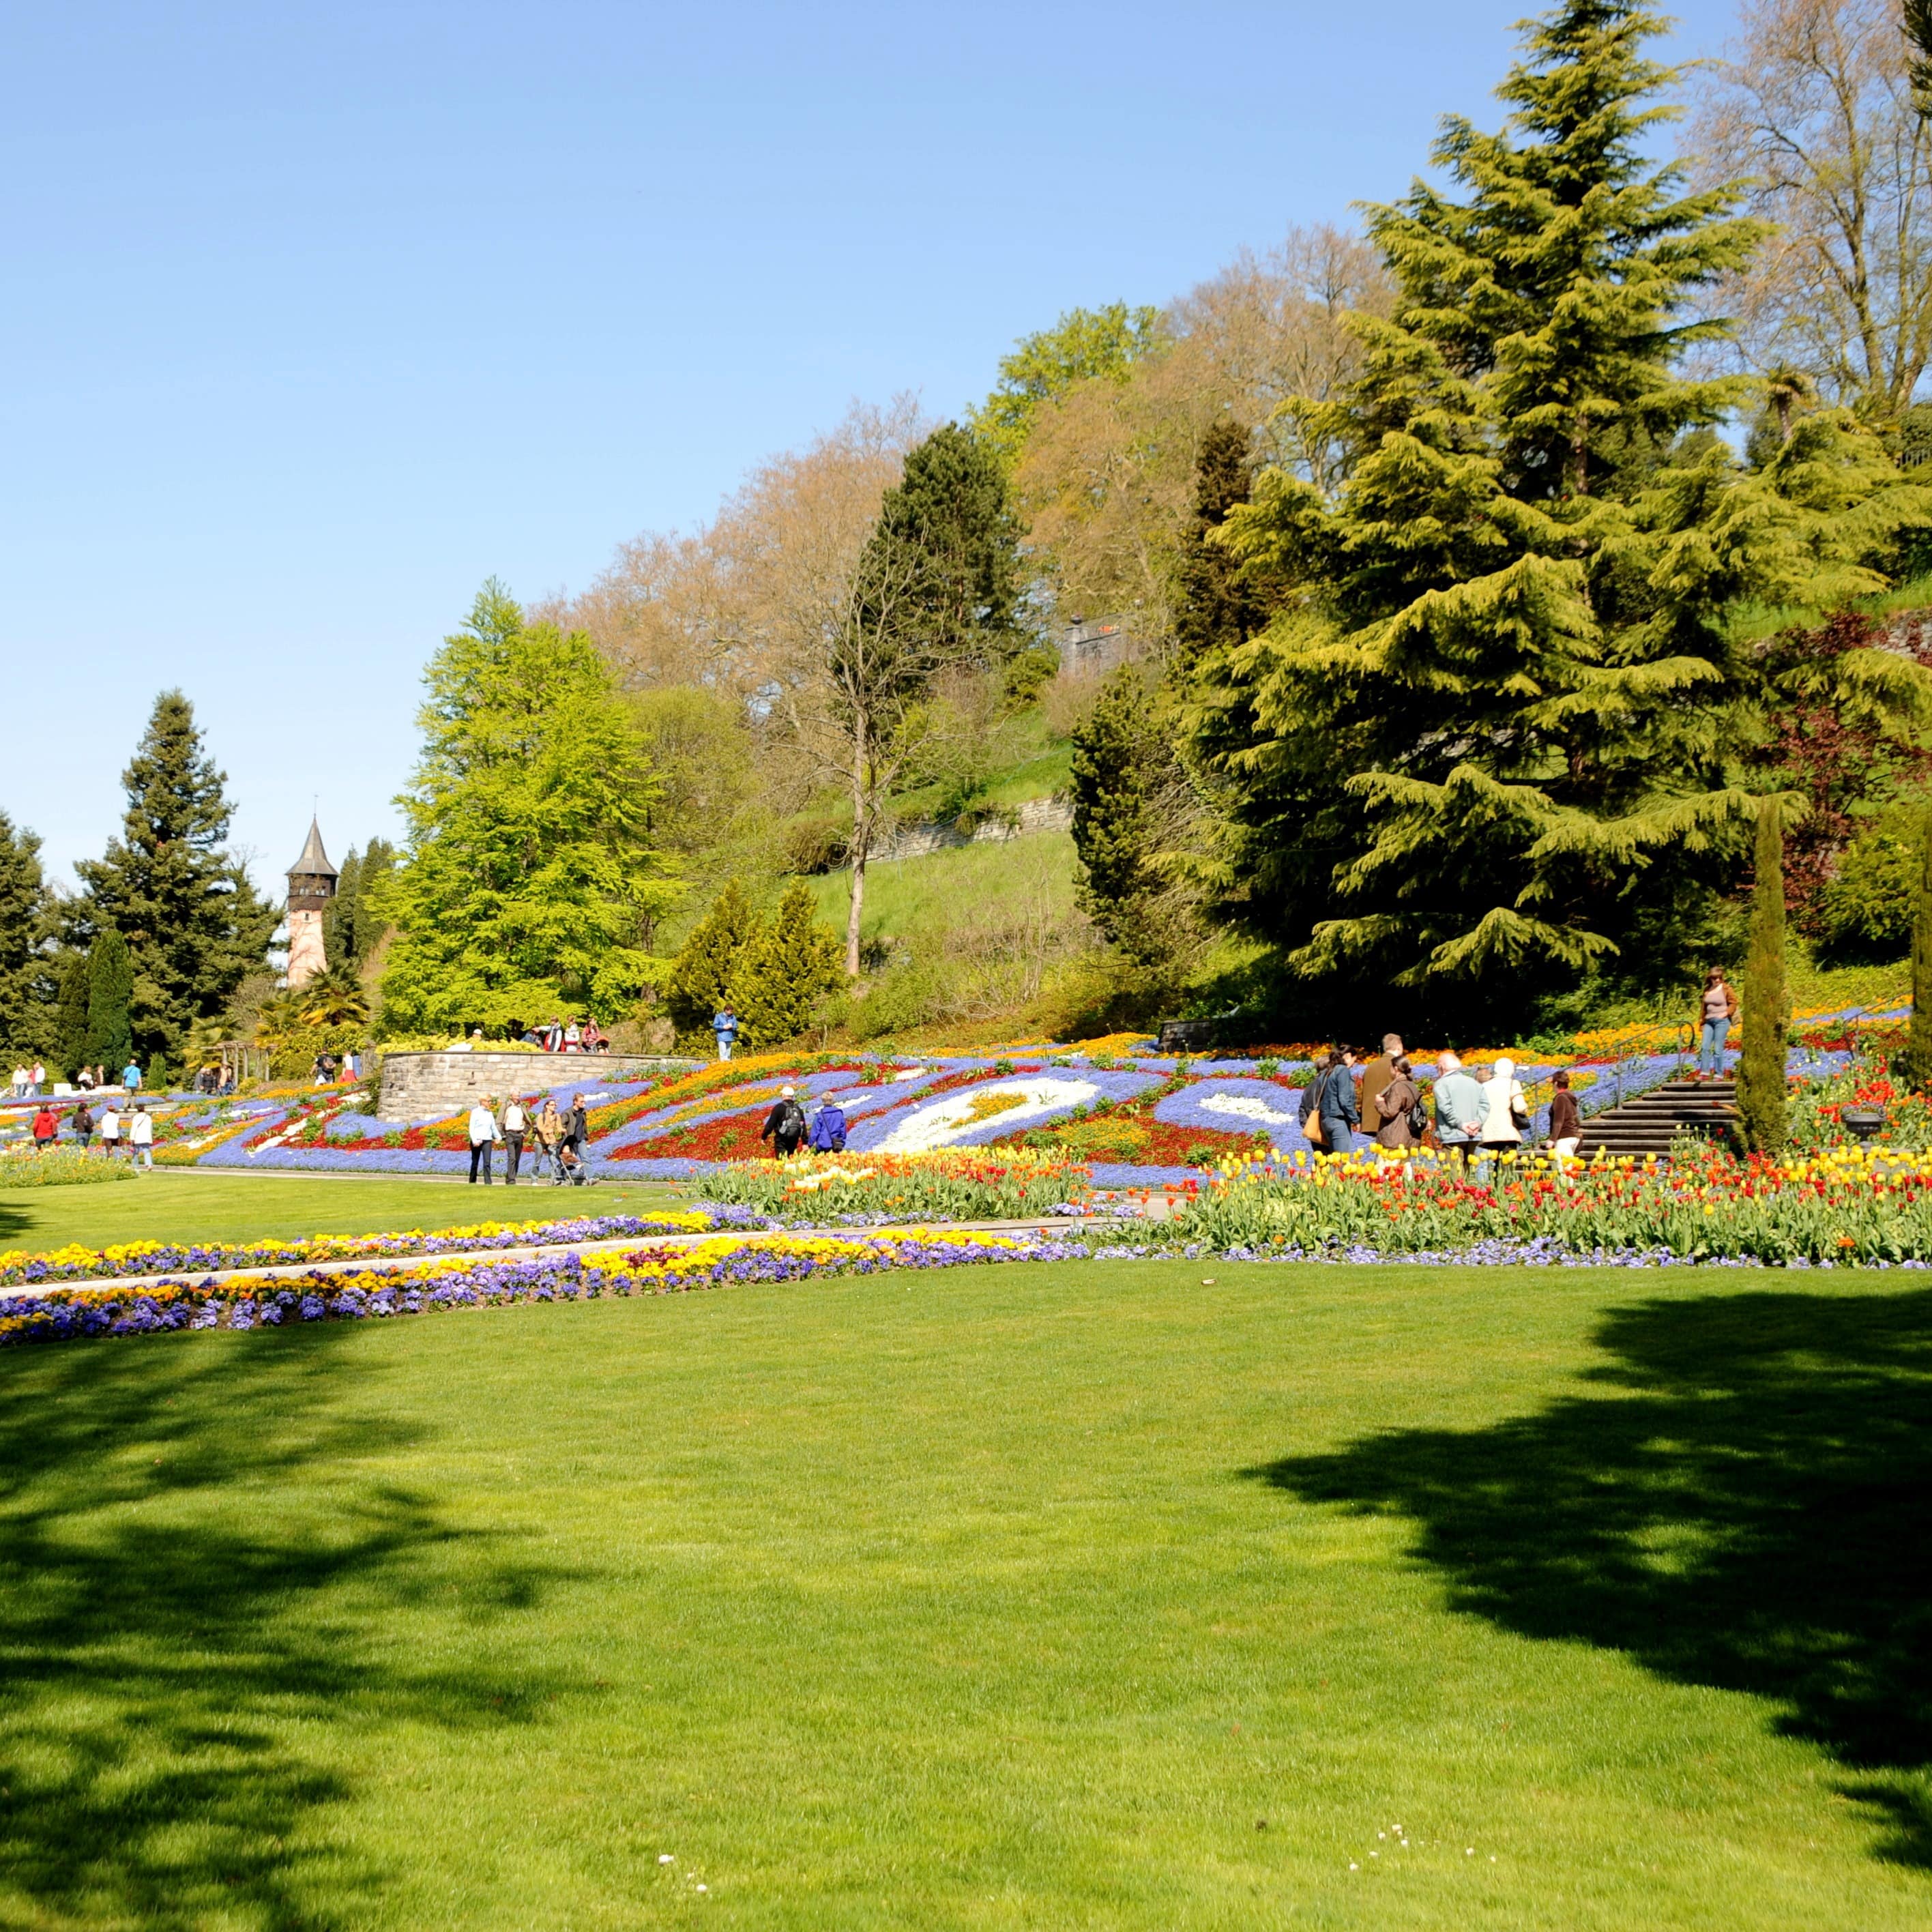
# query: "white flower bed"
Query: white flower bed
{"points": [[945, 1121]]}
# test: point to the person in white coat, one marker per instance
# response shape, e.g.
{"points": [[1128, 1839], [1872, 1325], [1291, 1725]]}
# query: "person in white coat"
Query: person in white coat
{"points": [[1505, 1111], [141, 1138], [484, 1134]]}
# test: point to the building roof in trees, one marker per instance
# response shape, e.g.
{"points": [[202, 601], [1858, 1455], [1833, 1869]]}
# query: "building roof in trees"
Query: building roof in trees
{"points": [[313, 862]]}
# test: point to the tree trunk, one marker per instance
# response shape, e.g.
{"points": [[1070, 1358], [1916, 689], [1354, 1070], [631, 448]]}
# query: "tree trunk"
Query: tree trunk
{"points": [[1917, 1066], [861, 846]]}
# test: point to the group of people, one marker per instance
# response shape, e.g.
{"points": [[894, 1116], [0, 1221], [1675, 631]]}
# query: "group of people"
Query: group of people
{"points": [[555, 1135], [570, 1036], [787, 1128], [133, 1129], [1484, 1113], [29, 1082]]}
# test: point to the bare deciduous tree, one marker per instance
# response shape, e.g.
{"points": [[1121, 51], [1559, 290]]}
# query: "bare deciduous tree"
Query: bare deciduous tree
{"points": [[1813, 105]]}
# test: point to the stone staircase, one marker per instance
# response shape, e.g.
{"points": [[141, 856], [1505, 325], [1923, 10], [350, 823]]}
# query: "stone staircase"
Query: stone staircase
{"points": [[1647, 1123]]}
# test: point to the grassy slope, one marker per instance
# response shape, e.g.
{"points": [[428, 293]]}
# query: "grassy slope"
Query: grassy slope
{"points": [[992, 1598], [216, 1207]]}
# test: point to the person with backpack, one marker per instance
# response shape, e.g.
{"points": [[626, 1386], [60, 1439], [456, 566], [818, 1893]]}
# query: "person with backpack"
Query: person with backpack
{"points": [[828, 1128], [784, 1125], [1328, 1110], [1398, 1107]]}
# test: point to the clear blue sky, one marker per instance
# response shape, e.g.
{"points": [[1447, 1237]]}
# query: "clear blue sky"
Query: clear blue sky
{"points": [[319, 315]]}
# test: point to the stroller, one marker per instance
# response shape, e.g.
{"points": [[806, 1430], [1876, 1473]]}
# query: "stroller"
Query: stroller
{"points": [[571, 1168]]}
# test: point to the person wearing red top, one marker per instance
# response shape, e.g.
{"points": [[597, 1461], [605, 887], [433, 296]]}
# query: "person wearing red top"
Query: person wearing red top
{"points": [[46, 1126]]}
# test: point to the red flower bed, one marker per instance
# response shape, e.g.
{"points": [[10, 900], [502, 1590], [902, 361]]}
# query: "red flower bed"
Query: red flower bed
{"points": [[732, 1137]]}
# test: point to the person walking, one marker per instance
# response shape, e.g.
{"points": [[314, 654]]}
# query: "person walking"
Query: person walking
{"points": [[549, 1136], [1458, 1107], [483, 1135], [46, 1125], [1566, 1121], [1329, 1104], [131, 1076], [1395, 1104], [724, 1024], [784, 1125], [1376, 1076], [828, 1128], [1717, 1010], [1505, 1111], [141, 1138], [37, 1078], [515, 1121], [572, 1164], [82, 1122], [110, 1130]]}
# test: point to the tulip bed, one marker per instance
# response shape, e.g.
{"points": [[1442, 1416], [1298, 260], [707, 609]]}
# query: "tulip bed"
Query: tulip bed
{"points": [[1013, 1184]]}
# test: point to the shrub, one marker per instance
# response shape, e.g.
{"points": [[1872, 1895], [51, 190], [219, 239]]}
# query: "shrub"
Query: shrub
{"points": [[60, 1167]]}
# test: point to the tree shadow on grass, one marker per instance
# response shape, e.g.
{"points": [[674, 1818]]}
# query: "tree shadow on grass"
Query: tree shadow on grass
{"points": [[1747, 1503], [181, 1584]]}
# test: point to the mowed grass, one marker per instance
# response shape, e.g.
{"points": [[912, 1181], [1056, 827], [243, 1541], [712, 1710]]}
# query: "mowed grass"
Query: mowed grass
{"points": [[1090, 1595], [163, 1206]]}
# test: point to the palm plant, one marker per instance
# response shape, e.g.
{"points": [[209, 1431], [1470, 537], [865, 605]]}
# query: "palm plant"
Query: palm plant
{"points": [[335, 998]]}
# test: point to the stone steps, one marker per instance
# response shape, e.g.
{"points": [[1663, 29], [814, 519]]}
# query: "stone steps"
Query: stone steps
{"points": [[1648, 1123]]}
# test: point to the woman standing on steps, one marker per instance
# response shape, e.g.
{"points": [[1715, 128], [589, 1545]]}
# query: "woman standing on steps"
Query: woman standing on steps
{"points": [[1718, 1010]]}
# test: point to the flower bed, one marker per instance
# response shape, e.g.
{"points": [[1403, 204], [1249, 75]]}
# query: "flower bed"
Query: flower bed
{"points": [[75, 1263], [979, 1185], [74, 1314], [59, 1167]]}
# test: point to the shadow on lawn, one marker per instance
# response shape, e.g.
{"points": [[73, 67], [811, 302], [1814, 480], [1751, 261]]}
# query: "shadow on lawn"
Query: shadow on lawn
{"points": [[1747, 1505], [180, 1580]]}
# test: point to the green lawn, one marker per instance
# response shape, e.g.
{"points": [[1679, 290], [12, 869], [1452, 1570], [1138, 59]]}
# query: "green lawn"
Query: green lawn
{"points": [[164, 1206], [1093, 1594]]}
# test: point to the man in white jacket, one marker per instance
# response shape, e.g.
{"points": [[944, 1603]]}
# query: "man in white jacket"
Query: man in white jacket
{"points": [[483, 1135], [141, 1138]]}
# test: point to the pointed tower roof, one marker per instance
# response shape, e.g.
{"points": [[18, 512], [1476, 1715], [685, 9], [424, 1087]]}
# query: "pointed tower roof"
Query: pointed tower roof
{"points": [[313, 862]]}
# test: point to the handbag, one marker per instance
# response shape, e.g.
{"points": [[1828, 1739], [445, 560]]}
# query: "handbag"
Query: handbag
{"points": [[1311, 1128]]}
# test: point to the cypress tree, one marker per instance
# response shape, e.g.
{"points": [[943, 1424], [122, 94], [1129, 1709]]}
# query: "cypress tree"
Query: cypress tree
{"points": [[192, 923], [339, 916], [109, 1039], [1218, 608], [1918, 1064], [703, 976], [1761, 1066], [70, 1024], [1492, 737], [784, 969]]}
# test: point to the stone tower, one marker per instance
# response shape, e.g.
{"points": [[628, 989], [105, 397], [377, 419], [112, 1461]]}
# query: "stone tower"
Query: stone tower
{"points": [[311, 886]]}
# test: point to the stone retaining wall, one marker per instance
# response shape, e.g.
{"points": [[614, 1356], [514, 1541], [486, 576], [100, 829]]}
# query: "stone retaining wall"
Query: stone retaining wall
{"points": [[916, 842], [420, 1086]]}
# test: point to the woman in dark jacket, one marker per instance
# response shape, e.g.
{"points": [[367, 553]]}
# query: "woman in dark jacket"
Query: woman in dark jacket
{"points": [[1393, 1103], [82, 1122], [1331, 1097]]}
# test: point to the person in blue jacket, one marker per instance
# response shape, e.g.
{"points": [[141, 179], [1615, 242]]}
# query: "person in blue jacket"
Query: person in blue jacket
{"points": [[724, 1024], [828, 1128]]}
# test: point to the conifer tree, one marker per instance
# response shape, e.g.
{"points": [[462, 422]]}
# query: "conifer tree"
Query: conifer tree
{"points": [[1918, 1064], [703, 977], [1761, 1065], [1218, 609], [951, 504], [785, 968], [192, 923], [70, 1018], [110, 1041], [27, 981], [1493, 738]]}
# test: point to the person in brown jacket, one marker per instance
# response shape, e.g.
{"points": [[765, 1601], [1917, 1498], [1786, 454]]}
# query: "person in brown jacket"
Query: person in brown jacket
{"points": [[1566, 1121], [1393, 1103], [1376, 1076]]}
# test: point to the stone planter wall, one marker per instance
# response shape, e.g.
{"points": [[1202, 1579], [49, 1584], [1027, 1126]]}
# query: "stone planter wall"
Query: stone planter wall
{"points": [[420, 1086]]}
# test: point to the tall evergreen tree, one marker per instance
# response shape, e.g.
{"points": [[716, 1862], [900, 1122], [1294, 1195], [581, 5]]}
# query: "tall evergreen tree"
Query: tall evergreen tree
{"points": [[784, 969], [1493, 738], [353, 923], [529, 871], [70, 1014], [1218, 608], [192, 922], [703, 977], [109, 1040], [1761, 1065], [952, 505], [28, 985]]}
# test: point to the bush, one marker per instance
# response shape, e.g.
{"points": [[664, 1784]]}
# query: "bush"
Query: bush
{"points": [[1865, 913]]}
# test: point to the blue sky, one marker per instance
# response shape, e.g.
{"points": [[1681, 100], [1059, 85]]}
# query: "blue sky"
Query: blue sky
{"points": [[318, 316]]}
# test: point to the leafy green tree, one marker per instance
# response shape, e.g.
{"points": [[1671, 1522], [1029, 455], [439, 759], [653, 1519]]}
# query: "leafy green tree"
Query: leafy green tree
{"points": [[109, 1040], [1492, 740], [785, 969], [1761, 1065], [703, 977], [1084, 342], [529, 873], [27, 987], [193, 924]]}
